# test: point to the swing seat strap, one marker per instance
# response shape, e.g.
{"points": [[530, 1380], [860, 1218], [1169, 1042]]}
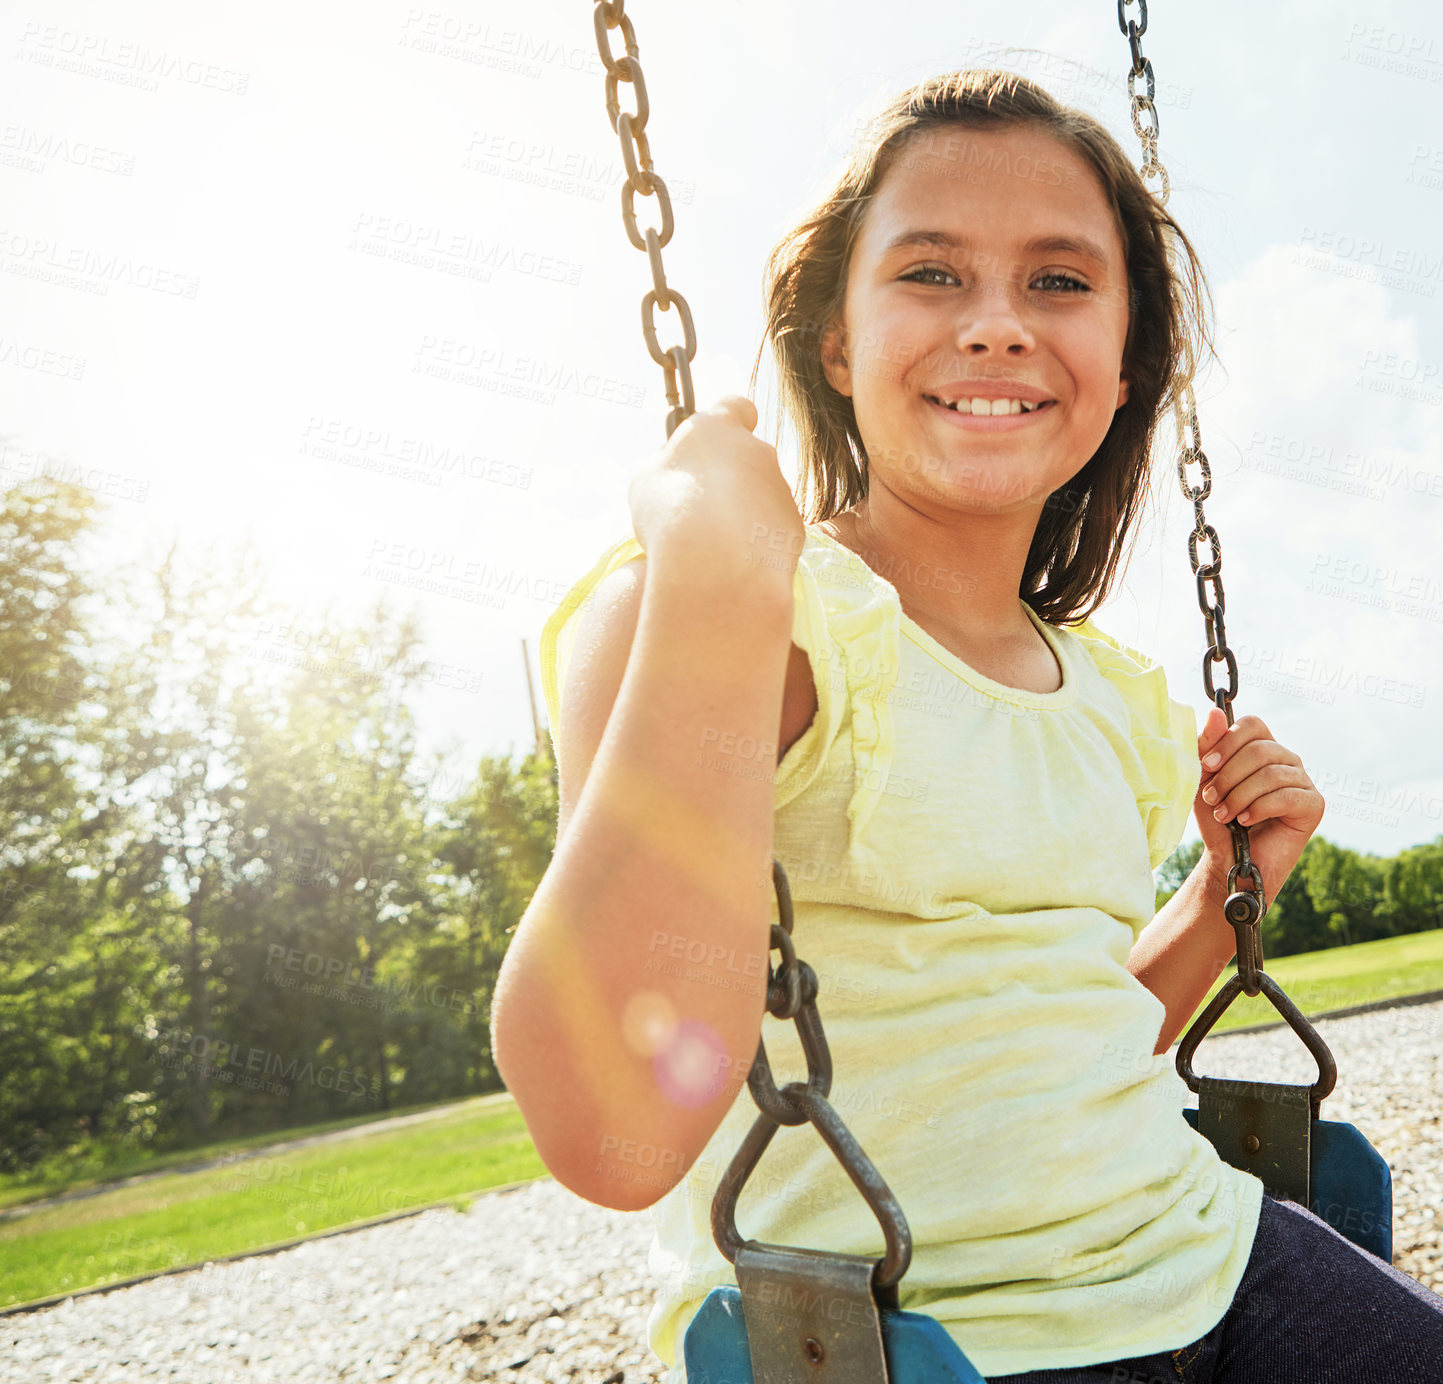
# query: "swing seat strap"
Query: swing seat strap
{"points": [[811, 1317], [1263, 1128]]}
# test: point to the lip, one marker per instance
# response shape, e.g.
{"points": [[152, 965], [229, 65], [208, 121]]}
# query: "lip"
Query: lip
{"points": [[995, 388], [1002, 422]]}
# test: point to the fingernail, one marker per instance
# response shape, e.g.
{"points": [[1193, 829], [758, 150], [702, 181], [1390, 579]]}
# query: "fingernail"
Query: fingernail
{"points": [[1212, 760]]}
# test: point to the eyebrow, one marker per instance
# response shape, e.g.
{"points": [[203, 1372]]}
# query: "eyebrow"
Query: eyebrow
{"points": [[945, 240]]}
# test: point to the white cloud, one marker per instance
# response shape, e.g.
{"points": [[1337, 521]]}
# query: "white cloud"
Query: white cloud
{"points": [[1328, 497]]}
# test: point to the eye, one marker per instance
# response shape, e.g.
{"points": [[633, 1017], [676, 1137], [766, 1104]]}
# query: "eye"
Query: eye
{"points": [[1069, 284], [1056, 281], [916, 275]]}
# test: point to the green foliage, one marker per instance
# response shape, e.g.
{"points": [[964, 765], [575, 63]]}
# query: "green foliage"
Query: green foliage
{"points": [[226, 901], [1336, 897]]}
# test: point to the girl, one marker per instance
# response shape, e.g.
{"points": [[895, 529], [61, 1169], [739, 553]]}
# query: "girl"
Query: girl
{"points": [[977, 333]]}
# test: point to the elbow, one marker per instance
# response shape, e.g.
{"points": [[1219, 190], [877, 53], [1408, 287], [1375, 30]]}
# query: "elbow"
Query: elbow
{"points": [[602, 1181], [602, 1171], [617, 1194]]}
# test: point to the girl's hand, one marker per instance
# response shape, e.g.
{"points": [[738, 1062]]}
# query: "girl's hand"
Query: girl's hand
{"points": [[713, 506], [1263, 786]]}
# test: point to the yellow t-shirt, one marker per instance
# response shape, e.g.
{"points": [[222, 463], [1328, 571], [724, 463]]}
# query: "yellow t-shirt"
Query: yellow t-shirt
{"points": [[970, 865]]}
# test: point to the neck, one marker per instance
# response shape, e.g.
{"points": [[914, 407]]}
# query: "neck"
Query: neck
{"points": [[959, 571]]}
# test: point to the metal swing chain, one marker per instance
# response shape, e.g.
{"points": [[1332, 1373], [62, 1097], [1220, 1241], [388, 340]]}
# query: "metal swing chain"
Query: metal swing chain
{"points": [[791, 985], [1243, 909], [642, 177]]}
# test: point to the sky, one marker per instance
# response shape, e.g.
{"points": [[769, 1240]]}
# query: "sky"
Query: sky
{"points": [[350, 284]]}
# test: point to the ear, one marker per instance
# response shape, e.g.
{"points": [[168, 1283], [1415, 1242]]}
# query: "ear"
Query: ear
{"points": [[834, 361], [1121, 391]]}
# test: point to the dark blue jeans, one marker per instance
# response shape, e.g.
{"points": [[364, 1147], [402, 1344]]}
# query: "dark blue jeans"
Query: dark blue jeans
{"points": [[1312, 1308]]}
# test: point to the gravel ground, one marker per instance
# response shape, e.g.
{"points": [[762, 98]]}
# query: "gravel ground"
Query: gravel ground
{"points": [[535, 1284]]}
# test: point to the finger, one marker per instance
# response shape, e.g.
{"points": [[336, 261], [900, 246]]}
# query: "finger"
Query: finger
{"points": [[1243, 730], [1217, 784], [1227, 782], [1220, 779], [1264, 781], [1287, 805], [1213, 726]]}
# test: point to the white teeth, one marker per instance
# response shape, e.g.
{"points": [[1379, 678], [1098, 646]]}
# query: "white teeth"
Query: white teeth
{"points": [[982, 408]]}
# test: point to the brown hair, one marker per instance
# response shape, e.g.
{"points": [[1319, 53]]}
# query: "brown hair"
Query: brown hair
{"points": [[1083, 529]]}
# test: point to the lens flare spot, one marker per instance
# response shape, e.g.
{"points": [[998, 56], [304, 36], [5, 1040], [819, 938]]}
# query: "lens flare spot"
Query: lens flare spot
{"points": [[691, 1066], [647, 1022]]}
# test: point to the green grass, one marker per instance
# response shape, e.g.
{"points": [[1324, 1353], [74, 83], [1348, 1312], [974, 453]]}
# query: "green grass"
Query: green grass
{"points": [[1340, 977], [96, 1164], [260, 1199]]}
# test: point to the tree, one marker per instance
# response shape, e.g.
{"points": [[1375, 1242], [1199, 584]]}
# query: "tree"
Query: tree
{"points": [[494, 843]]}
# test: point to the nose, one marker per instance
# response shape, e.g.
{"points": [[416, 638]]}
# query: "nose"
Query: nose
{"points": [[991, 324]]}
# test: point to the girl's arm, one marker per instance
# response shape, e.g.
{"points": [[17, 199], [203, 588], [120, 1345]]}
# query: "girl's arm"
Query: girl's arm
{"points": [[629, 1004]]}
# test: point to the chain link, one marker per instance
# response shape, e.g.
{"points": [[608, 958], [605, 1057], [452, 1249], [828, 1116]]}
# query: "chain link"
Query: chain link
{"points": [[792, 984], [642, 177], [792, 994], [1243, 909]]}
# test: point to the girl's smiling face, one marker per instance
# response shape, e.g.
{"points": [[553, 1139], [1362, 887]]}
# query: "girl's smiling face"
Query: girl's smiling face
{"points": [[989, 266]]}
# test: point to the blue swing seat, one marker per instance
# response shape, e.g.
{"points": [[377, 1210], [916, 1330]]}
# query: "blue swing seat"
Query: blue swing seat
{"points": [[1352, 1185], [917, 1347]]}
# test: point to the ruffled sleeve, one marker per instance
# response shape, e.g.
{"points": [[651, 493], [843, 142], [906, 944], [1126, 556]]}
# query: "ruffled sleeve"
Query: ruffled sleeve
{"points": [[804, 760], [1164, 734], [847, 619]]}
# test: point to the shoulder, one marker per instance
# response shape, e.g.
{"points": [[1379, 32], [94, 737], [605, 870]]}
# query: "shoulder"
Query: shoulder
{"points": [[616, 598], [842, 604], [606, 624], [604, 599], [586, 647], [1137, 678], [1107, 648], [1164, 769], [610, 630]]}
